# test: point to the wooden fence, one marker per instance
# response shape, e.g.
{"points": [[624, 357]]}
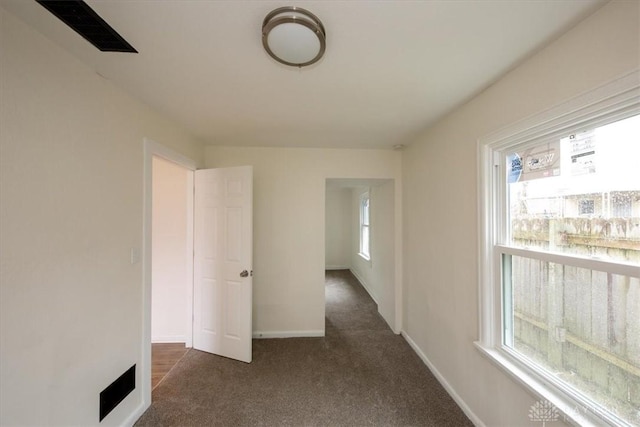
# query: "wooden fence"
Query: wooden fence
{"points": [[583, 325]]}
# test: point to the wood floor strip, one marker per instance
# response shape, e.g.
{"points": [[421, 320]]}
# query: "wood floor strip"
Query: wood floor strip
{"points": [[164, 357]]}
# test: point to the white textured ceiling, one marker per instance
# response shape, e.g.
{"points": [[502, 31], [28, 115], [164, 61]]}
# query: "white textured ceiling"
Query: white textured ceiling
{"points": [[391, 68]]}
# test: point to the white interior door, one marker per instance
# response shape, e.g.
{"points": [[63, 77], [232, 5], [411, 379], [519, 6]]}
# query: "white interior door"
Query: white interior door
{"points": [[223, 258]]}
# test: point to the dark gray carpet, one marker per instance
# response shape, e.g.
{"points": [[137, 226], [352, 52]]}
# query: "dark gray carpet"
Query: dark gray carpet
{"points": [[359, 374]]}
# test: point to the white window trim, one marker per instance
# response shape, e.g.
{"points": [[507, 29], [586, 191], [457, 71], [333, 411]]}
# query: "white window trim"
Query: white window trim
{"points": [[363, 197], [613, 101]]}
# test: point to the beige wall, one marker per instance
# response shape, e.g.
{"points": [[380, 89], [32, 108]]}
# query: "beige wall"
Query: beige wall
{"points": [[71, 185], [440, 204], [170, 280], [338, 228], [289, 226], [383, 250]]}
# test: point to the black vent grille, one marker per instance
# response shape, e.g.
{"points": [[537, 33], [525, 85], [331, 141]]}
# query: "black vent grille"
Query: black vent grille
{"points": [[86, 22], [115, 393]]}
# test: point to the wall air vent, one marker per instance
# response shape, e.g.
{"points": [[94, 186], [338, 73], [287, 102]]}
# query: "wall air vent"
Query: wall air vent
{"points": [[115, 392], [86, 22]]}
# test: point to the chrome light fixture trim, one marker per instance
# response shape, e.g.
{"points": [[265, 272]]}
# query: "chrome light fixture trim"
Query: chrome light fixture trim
{"points": [[298, 16]]}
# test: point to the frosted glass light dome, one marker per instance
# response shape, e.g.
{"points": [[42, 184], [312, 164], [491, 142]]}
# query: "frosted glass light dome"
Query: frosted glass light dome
{"points": [[293, 36]]}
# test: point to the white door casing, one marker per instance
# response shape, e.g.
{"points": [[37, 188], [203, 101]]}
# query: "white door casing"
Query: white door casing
{"points": [[223, 251]]}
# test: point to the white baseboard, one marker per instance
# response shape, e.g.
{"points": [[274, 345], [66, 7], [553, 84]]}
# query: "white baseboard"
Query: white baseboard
{"points": [[336, 267], [166, 339], [456, 397], [135, 415], [288, 334], [364, 284]]}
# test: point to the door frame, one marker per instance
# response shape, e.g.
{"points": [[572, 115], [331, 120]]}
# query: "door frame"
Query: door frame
{"points": [[152, 149]]}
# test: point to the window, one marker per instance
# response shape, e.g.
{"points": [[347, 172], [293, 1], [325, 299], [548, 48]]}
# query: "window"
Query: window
{"points": [[587, 207], [560, 261], [365, 232]]}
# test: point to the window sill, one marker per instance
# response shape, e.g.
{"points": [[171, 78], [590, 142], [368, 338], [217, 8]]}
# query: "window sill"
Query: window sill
{"points": [[570, 409], [365, 257]]}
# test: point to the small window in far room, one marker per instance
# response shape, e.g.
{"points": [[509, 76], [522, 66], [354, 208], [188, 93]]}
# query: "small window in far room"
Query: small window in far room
{"points": [[365, 243]]}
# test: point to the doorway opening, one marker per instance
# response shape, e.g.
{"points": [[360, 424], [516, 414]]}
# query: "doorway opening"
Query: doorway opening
{"points": [[360, 239], [171, 265], [167, 257], [213, 259]]}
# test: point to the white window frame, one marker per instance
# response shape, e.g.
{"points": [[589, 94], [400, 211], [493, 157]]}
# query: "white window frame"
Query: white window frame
{"points": [[365, 254], [614, 101]]}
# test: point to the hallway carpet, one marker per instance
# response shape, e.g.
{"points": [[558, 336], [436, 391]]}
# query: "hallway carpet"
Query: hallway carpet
{"points": [[359, 374]]}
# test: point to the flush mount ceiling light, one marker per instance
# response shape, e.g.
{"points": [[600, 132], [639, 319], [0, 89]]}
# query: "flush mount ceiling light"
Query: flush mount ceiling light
{"points": [[293, 36]]}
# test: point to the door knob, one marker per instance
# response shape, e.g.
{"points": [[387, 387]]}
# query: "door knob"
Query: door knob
{"points": [[244, 273]]}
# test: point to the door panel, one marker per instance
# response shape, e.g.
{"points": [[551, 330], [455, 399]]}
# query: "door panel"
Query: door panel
{"points": [[223, 250], [233, 321], [234, 235]]}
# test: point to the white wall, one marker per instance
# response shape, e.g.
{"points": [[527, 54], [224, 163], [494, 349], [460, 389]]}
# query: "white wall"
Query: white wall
{"points": [[377, 274], [383, 250], [169, 252], [338, 228], [289, 226], [71, 185], [440, 203]]}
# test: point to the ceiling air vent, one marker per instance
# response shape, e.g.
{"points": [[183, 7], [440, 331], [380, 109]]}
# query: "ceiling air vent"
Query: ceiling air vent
{"points": [[86, 22]]}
